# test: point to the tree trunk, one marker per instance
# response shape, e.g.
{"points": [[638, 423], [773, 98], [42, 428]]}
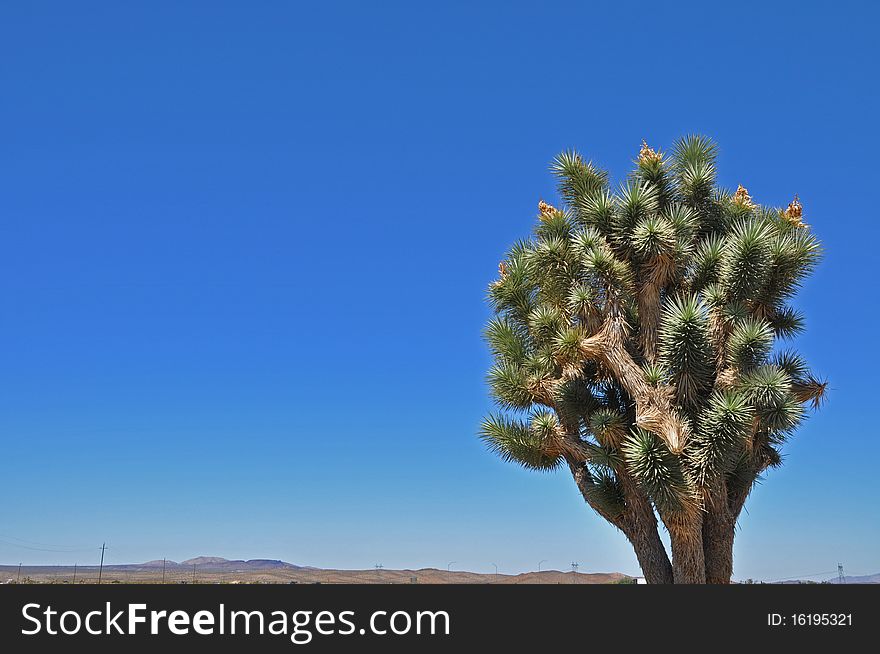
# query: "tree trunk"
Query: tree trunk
{"points": [[640, 527], [718, 547], [719, 524], [688, 560], [651, 554], [702, 540], [638, 523]]}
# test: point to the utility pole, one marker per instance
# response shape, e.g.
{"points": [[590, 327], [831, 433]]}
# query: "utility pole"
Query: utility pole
{"points": [[163, 571], [18, 581], [74, 574], [194, 573], [449, 566], [540, 562], [101, 569], [574, 566], [496, 572], [841, 578]]}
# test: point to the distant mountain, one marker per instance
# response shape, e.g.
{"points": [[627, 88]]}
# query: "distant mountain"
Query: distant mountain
{"points": [[271, 571], [158, 563], [219, 563], [205, 560], [864, 579], [215, 569], [268, 563]]}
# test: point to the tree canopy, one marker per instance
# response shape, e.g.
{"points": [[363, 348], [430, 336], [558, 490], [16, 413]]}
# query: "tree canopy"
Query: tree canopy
{"points": [[640, 340]]}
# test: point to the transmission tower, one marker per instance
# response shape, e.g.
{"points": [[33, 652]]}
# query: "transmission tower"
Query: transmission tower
{"points": [[841, 578]]}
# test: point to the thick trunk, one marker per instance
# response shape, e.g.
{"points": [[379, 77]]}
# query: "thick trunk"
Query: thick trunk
{"points": [[640, 527], [719, 528], [718, 531], [688, 560], [651, 554]]}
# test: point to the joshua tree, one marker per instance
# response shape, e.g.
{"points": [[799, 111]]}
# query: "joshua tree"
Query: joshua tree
{"points": [[634, 339]]}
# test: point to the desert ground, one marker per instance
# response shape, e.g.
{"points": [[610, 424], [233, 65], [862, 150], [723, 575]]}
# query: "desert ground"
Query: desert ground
{"points": [[206, 570]]}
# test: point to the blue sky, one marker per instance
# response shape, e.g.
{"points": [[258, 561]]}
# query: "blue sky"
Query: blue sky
{"points": [[244, 251]]}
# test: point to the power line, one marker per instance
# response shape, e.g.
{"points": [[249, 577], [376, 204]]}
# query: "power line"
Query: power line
{"points": [[815, 574], [45, 549], [839, 572], [52, 545]]}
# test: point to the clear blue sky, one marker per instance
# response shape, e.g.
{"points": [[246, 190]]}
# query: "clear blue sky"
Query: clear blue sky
{"points": [[245, 247]]}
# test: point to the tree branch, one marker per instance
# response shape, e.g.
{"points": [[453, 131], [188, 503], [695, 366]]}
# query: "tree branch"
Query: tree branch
{"points": [[654, 404]]}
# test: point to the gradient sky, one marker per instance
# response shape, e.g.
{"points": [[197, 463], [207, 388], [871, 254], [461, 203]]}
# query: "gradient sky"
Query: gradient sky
{"points": [[244, 250]]}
